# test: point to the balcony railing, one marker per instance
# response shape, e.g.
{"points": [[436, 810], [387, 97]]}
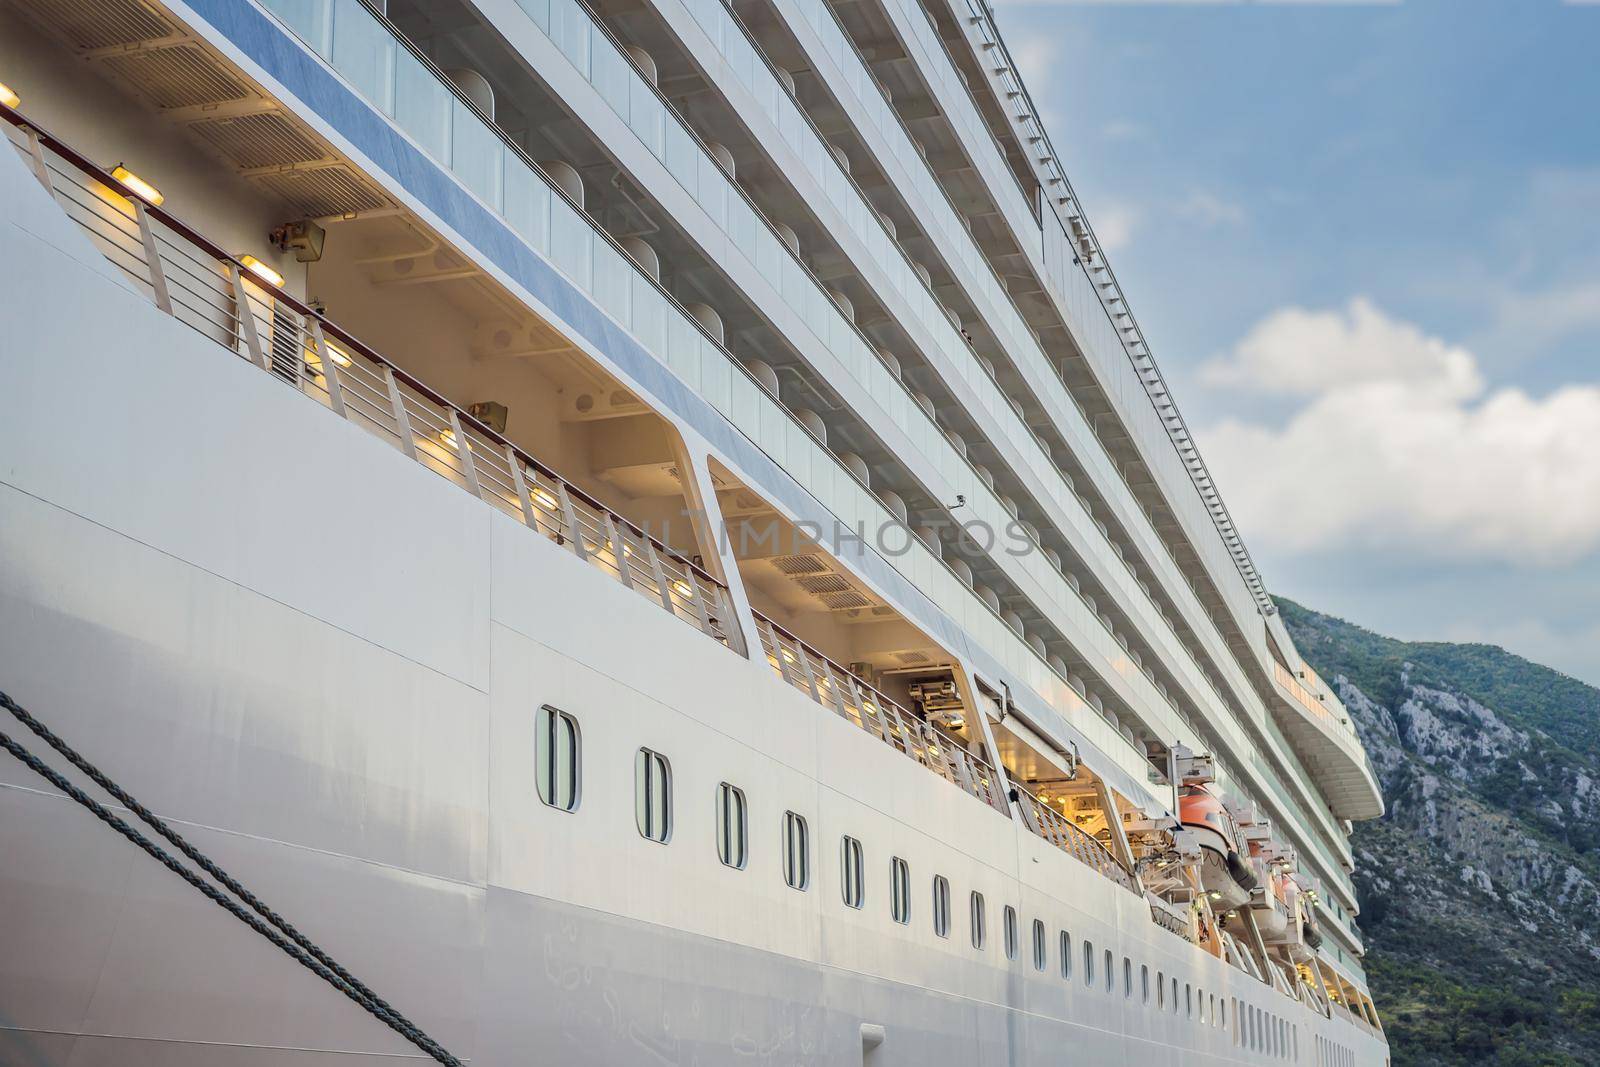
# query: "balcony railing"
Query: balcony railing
{"points": [[1314, 707], [1170, 918], [1066, 835], [855, 699], [239, 306]]}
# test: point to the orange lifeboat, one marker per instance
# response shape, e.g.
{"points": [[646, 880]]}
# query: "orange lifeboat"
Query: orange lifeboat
{"points": [[1227, 879]]}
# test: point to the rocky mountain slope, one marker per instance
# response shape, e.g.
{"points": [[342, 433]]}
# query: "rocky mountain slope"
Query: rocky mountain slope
{"points": [[1480, 889]]}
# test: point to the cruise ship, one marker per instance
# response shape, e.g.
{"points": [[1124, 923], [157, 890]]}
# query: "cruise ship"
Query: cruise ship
{"points": [[619, 532]]}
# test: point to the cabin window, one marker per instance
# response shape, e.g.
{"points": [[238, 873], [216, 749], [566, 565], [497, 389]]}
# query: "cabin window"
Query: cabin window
{"points": [[1010, 922], [1041, 946], [1088, 963], [1066, 954], [557, 767], [1127, 977], [1161, 990], [1111, 977], [733, 840], [796, 852], [979, 935], [941, 905], [1188, 999], [652, 785], [853, 874], [1144, 982], [900, 890], [1174, 996]]}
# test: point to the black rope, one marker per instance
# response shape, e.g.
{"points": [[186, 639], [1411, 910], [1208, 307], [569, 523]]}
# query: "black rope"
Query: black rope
{"points": [[293, 943]]}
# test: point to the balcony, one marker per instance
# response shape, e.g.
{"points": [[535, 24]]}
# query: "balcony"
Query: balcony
{"points": [[240, 304], [1329, 745]]}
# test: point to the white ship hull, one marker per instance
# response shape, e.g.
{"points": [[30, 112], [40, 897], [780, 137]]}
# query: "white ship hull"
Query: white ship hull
{"points": [[314, 625], [321, 663]]}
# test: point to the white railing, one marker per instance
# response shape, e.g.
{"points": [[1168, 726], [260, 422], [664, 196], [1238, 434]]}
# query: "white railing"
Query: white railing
{"points": [[1066, 835], [856, 699], [219, 295], [1170, 918]]}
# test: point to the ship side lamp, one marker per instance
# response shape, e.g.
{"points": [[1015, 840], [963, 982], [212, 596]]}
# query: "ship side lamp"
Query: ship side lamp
{"points": [[136, 185], [262, 270], [304, 238], [8, 97]]}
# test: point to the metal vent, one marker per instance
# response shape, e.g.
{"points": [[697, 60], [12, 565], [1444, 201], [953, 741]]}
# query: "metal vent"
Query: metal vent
{"points": [[840, 601], [883, 611], [89, 24], [912, 657], [799, 564], [822, 583], [264, 140], [323, 191], [183, 76]]}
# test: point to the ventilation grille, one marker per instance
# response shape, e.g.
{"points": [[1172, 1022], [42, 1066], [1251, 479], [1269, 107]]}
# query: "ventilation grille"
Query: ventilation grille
{"points": [[792, 565], [912, 657], [843, 601], [102, 23], [822, 583], [323, 191], [177, 77], [265, 140]]}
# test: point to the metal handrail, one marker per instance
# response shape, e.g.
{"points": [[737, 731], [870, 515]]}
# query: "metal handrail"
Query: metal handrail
{"points": [[854, 698], [1169, 918], [1068, 836], [199, 283], [1134, 344]]}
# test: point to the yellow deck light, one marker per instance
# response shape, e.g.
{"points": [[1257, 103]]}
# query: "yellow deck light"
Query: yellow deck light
{"points": [[137, 185], [9, 98], [262, 271]]}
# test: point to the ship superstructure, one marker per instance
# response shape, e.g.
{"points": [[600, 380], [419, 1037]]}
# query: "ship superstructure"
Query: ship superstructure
{"points": [[652, 527]]}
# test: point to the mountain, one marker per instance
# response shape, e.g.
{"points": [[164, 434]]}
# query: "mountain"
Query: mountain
{"points": [[1480, 887]]}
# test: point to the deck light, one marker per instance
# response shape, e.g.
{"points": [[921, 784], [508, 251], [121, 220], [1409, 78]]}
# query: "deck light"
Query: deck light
{"points": [[136, 185], [448, 436], [683, 589], [545, 499], [262, 271], [9, 98]]}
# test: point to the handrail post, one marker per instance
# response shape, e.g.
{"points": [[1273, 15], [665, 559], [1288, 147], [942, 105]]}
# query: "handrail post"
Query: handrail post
{"points": [[662, 588], [247, 318], [619, 549], [402, 420], [811, 678], [520, 482], [152, 255], [464, 450], [570, 514], [41, 170], [330, 372], [703, 611]]}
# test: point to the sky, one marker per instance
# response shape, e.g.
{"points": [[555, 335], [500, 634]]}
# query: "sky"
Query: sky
{"points": [[1363, 241]]}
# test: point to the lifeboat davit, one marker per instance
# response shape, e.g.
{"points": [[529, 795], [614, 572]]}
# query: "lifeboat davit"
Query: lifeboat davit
{"points": [[1223, 873], [1272, 911]]}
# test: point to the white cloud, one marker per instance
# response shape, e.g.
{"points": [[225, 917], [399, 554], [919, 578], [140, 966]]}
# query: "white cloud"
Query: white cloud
{"points": [[1209, 210], [1114, 225], [1124, 130], [1306, 353], [1398, 445]]}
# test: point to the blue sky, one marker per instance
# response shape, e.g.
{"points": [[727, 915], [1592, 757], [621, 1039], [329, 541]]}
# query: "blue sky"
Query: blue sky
{"points": [[1364, 242]]}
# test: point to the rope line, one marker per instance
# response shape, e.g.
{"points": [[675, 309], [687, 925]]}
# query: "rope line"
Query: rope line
{"points": [[280, 932]]}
